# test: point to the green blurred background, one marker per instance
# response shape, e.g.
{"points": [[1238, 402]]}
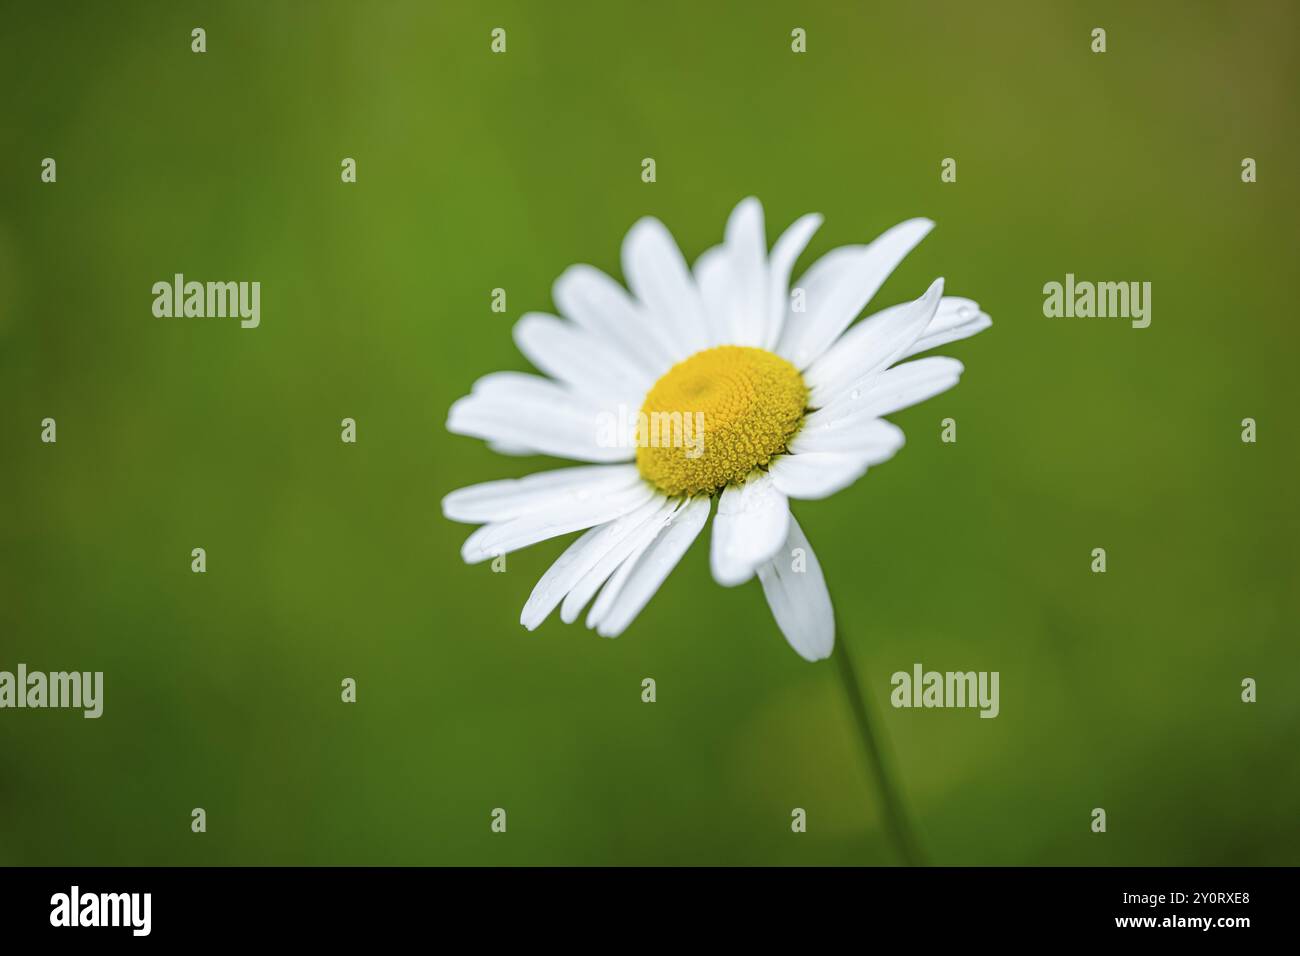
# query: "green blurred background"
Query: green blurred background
{"points": [[479, 171]]}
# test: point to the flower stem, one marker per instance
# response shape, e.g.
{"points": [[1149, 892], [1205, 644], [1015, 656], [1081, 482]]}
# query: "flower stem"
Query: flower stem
{"points": [[894, 812]]}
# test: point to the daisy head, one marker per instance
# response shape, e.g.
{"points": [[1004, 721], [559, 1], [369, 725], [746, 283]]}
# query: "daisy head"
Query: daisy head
{"points": [[714, 384]]}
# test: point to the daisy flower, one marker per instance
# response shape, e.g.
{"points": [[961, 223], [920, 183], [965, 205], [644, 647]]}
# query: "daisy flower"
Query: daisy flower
{"points": [[713, 384]]}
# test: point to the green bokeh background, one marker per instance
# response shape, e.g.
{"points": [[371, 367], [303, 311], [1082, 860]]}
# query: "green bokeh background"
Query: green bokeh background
{"points": [[479, 171]]}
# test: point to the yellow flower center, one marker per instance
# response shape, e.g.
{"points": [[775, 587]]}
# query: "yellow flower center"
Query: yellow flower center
{"points": [[716, 416]]}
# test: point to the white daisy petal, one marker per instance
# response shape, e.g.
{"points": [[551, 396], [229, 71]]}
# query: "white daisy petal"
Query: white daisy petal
{"points": [[746, 244], [584, 362], [828, 292], [748, 529], [613, 587], [856, 352], [798, 598], [956, 318], [873, 345], [512, 497], [651, 568], [892, 390], [505, 448], [838, 286], [579, 558], [788, 248], [527, 411], [855, 434], [657, 274], [593, 300], [717, 283], [819, 474], [502, 537], [632, 543]]}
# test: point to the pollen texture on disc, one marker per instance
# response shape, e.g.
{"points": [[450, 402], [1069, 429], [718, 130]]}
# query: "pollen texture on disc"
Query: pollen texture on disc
{"points": [[716, 416]]}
